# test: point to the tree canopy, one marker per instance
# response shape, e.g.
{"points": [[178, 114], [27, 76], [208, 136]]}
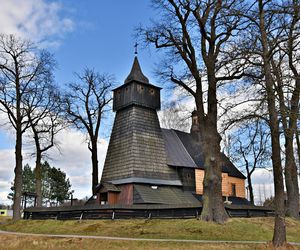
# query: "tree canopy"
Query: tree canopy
{"points": [[56, 186]]}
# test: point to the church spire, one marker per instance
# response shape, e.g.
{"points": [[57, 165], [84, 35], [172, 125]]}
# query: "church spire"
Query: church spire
{"points": [[136, 73]]}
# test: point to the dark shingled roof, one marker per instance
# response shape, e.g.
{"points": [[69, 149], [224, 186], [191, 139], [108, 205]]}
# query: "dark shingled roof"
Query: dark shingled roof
{"points": [[231, 169], [107, 187], [147, 180], [162, 195], [183, 150], [192, 146], [233, 199], [136, 73], [177, 155]]}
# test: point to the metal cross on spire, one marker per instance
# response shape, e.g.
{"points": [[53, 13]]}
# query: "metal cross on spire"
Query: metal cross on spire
{"points": [[135, 48]]}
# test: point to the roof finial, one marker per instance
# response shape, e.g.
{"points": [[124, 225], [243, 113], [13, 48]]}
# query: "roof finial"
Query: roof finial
{"points": [[135, 48]]}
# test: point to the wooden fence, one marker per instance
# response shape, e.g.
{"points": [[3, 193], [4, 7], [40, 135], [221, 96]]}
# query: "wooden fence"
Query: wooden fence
{"points": [[137, 211]]}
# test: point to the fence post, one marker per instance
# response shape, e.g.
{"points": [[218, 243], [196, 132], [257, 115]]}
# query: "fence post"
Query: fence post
{"points": [[113, 215], [248, 213]]}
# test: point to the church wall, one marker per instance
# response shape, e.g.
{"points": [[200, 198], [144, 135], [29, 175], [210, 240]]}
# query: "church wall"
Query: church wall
{"points": [[126, 195], [199, 176], [225, 191], [240, 186], [187, 177], [112, 198], [227, 182]]}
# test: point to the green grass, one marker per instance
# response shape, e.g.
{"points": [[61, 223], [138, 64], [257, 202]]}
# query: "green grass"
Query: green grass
{"points": [[247, 229], [4, 219], [9, 242]]}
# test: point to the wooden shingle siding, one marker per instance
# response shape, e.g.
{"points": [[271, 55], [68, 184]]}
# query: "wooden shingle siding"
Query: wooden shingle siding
{"points": [[226, 184], [136, 147], [146, 95], [187, 177]]}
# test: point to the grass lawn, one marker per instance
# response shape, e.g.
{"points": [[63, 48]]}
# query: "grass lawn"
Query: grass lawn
{"points": [[247, 229], [9, 242], [4, 219], [260, 229]]}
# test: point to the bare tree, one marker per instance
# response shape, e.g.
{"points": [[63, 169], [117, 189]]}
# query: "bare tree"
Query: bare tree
{"points": [[21, 65], [198, 38], [250, 149], [289, 93], [298, 149], [174, 116], [272, 43], [44, 115], [263, 42], [86, 102]]}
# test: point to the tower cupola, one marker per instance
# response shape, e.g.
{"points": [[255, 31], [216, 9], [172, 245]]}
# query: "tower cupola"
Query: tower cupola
{"points": [[136, 90]]}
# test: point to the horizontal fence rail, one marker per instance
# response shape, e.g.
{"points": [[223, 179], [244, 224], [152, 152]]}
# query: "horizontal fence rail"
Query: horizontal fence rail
{"points": [[136, 211]]}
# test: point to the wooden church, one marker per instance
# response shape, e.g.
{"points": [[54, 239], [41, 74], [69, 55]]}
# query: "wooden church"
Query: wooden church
{"points": [[146, 164]]}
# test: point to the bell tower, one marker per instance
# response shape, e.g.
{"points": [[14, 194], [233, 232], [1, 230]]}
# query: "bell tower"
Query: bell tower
{"points": [[136, 152]]}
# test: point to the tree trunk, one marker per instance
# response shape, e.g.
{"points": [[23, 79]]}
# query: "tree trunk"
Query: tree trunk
{"points": [[18, 175], [18, 182], [291, 180], [290, 127], [95, 177], [279, 236], [250, 186], [38, 179], [213, 205], [298, 147]]}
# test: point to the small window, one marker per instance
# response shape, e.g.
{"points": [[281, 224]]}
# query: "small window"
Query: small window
{"points": [[140, 88], [233, 189], [103, 198]]}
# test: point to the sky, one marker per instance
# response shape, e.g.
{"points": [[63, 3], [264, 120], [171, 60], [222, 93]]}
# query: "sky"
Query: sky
{"points": [[94, 34]]}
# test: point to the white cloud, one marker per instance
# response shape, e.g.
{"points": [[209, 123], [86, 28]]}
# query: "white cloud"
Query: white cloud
{"points": [[74, 158], [37, 20], [263, 186], [6, 173]]}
